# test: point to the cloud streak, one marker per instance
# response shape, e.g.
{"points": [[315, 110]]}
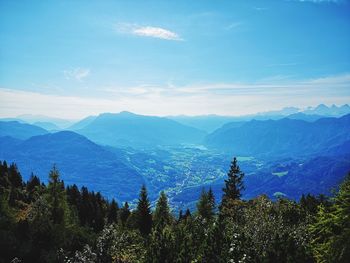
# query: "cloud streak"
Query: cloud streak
{"points": [[148, 31], [77, 73], [199, 99]]}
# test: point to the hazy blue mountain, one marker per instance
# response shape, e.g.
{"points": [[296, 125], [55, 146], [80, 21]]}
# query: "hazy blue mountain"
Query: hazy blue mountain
{"points": [[12, 119], [305, 117], [19, 130], [208, 123], [82, 123], [79, 160], [30, 118], [285, 137], [333, 110], [128, 129], [283, 112], [47, 125], [342, 149]]}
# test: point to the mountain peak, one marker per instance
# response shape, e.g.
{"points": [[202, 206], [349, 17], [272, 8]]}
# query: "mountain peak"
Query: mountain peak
{"points": [[321, 107], [126, 113]]}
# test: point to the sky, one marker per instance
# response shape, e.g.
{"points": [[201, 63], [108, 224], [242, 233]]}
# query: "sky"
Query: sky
{"points": [[71, 59]]}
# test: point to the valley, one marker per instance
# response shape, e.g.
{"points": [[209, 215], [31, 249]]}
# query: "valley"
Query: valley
{"points": [[116, 154]]}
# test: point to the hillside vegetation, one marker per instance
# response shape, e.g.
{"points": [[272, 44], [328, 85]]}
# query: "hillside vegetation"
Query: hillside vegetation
{"points": [[59, 223]]}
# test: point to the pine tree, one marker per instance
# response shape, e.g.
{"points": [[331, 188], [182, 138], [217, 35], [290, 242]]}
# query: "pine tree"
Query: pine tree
{"points": [[331, 230], [15, 176], [211, 198], [187, 214], [205, 205], [124, 213], [180, 216], [73, 196], [162, 216], [143, 212], [233, 185], [113, 212], [56, 196]]}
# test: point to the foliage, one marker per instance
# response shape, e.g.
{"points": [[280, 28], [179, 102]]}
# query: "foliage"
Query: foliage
{"points": [[331, 229], [233, 185], [54, 223]]}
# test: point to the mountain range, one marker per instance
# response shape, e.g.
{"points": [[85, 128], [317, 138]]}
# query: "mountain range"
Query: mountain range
{"points": [[285, 137], [126, 129], [117, 153], [19, 130], [210, 123], [79, 161]]}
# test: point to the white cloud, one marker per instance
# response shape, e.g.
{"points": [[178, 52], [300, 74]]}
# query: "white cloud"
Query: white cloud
{"points": [[210, 98], [148, 31], [76, 73]]}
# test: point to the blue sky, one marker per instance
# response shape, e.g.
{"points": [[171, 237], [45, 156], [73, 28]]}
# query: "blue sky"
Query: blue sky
{"points": [[75, 58]]}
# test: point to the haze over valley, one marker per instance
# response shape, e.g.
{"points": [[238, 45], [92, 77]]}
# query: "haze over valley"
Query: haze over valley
{"points": [[284, 153]]}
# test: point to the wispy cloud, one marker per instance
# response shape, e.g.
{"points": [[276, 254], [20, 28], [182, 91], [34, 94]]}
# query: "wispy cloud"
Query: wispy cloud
{"points": [[257, 8], [197, 99], [76, 73], [233, 25], [148, 31]]}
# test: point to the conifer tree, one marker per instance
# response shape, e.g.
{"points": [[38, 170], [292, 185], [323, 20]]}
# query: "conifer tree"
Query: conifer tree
{"points": [[211, 198], [56, 196], [162, 214], [73, 196], [143, 212], [233, 184], [113, 212], [205, 205], [331, 231], [187, 214], [15, 176], [180, 217], [124, 213]]}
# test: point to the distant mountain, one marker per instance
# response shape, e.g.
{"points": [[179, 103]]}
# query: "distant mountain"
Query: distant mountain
{"points": [[305, 117], [47, 125], [82, 123], [335, 111], [79, 161], [128, 129], [285, 137], [12, 119], [283, 112], [208, 123], [61, 123], [19, 130]]}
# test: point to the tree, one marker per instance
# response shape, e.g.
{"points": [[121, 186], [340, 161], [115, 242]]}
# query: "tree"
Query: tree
{"points": [[233, 185], [211, 198], [124, 213], [331, 230], [56, 196], [15, 176], [162, 216], [143, 213], [112, 216], [205, 205]]}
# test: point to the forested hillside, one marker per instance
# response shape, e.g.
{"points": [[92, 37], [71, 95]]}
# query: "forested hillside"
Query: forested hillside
{"points": [[62, 223]]}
